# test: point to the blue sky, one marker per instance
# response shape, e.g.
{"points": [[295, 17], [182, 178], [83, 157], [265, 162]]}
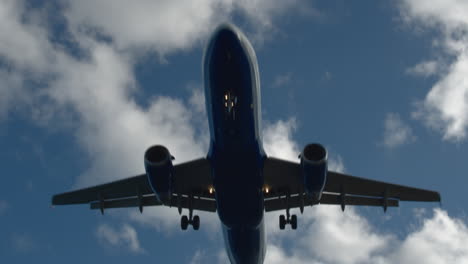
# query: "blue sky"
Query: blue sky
{"points": [[87, 86]]}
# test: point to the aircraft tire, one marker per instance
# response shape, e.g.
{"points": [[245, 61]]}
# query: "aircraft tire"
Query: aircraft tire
{"points": [[282, 222], [196, 222], [184, 222], [294, 222]]}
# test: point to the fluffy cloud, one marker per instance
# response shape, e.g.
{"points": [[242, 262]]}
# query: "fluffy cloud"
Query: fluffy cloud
{"points": [[324, 229], [168, 26], [277, 140], [441, 239], [330, 236], [396, 132], [125, 237], [446, 105]]}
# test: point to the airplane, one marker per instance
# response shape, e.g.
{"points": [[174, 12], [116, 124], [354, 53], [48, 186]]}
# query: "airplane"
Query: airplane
{"points": [[237, 179]]}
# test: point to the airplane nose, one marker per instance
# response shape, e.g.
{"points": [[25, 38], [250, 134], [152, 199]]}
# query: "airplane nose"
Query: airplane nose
{"points": [[226, 32], [227, 37]]}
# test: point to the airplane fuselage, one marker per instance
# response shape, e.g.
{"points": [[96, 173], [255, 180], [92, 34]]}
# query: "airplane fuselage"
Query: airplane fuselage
{"points": [[232, 93]]}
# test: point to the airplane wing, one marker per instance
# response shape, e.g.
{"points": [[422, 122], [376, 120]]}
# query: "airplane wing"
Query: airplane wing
{"points": [[192, 178], [285, 186]]}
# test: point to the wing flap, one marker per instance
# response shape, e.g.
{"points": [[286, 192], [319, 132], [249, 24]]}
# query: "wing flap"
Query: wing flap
{"points": [[198, 203], [295, 201], [126, 202], [357, 200]]}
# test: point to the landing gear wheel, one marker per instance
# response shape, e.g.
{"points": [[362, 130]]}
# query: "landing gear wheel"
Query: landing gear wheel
{"points": [[196, 222], [184, 222], [282, 222], [293, 222]]}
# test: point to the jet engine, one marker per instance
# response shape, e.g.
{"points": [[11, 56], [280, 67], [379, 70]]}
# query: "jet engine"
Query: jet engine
{"points": [[314, 169], [158, 166]]}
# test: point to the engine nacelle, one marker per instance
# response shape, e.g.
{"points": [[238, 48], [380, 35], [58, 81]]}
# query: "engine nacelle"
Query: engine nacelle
{"points": [[314, 169], [158, 166]]}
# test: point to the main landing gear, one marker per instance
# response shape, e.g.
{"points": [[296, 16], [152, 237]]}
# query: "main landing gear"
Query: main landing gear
{"points": [[292, 220], [190, 220], [288, 219], [185, 221]]}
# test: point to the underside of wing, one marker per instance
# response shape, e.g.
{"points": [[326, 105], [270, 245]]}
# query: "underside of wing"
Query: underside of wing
{"points": [[190, 185], [339, 182], [285, 184], [129, 187]]}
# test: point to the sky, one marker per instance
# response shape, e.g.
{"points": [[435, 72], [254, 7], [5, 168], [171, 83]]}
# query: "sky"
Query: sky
{"points": [[87, 86]]}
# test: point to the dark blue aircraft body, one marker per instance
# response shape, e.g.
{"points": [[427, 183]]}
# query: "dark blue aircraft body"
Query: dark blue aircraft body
{"points": [[236, 151], [237, 179]]}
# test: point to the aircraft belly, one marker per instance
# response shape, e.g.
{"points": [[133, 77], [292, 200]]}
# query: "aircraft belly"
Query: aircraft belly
{"points": [[245, 245], [239, 194], [236, 152]]}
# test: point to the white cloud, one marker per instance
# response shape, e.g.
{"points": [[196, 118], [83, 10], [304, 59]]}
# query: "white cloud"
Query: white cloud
{"points": [[330, 236], [126, 237], [167, 220], [277, 140], [446, 105], [22, 41], [327, 236], [396, 132], [441, 239], [168, 26], [335, 163]]}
